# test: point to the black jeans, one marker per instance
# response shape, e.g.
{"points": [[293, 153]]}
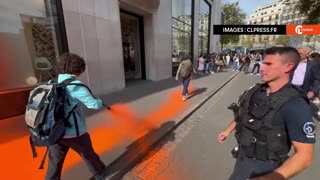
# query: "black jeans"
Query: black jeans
{"points": [[83, 146], [256, 66]]}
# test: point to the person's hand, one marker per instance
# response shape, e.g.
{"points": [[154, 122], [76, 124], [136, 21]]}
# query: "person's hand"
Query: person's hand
{"points": [[223, 136], [177, 78], [310, 95]]}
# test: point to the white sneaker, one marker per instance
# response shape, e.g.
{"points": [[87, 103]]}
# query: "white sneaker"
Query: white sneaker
{"points": [[184, 98], [212, 72], [251, 73], [258, 74]]}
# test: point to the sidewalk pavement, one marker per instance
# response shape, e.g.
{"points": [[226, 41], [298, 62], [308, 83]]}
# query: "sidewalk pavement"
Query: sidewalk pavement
{"points": [[144, 97], [120, 154]]}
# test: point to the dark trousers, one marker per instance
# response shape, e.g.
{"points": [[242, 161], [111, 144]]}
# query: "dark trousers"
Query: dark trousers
{"points": [[246, 168], [245, 66], [256, 66], [83, 146], [185, 83]]}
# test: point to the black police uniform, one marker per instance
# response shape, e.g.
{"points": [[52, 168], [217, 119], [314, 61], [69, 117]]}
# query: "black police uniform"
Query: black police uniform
{"points": [[264, 147]]}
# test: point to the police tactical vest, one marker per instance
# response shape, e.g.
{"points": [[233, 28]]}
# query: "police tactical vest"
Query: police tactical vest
{"points": [[255, 134]]}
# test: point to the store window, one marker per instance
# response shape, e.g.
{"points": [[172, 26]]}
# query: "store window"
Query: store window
{"points": [[181, 31], [31, 40], [204, 16]]}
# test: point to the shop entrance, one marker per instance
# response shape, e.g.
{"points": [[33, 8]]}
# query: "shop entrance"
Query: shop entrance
{"points": [[132, 45]]}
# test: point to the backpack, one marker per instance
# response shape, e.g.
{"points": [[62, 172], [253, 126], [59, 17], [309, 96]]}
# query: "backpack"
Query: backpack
{"points": [[186, 68], [45, 116]]}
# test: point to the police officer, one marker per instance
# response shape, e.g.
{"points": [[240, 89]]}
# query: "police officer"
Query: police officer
{"points": [[271, 118]]}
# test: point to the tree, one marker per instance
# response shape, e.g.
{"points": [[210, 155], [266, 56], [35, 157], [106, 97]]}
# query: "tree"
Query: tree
{"points": [[307, 38], [311, 9], [232, 15], [283, 40], [246, 41]]}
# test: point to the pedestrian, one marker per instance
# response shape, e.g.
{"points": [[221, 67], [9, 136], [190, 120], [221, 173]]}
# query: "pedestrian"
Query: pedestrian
{"points": [[272, 117], [306, 74], [258, 60], [246, 59], [76, 136], [201, 64], [219, 63], [227, 60], [184, 71], [315, 58], [209, 65], [235, 63]]}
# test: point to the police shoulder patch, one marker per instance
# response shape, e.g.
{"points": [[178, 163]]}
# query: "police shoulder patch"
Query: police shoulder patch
{"points": [[309, 128]]}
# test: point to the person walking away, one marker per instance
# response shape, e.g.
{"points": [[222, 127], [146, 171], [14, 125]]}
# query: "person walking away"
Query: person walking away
{"points": [[269, 119], [184, 71], [76, 136], [257, 62]]}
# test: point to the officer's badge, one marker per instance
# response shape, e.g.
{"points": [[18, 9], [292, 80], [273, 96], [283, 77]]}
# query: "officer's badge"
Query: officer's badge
{"points": [[309, 128]]}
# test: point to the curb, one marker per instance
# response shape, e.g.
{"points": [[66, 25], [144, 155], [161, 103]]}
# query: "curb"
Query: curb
{"points": [[135, 156]]}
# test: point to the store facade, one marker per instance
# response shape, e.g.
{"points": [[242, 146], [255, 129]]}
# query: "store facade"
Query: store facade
{"points": [[120, 40]]}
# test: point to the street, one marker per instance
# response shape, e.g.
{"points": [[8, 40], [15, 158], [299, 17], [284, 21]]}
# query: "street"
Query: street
{"points": [[192, 150]]}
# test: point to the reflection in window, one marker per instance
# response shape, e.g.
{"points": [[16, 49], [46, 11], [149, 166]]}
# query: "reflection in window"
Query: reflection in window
{"points": [[30, 41], [181, 31], [204, 22]]}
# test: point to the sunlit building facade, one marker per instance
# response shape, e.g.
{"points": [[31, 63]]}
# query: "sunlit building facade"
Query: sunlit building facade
{"points": [[120, 40]]}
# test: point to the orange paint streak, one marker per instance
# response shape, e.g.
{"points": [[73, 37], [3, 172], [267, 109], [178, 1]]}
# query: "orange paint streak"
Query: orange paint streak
{"points": [[16, 157]]}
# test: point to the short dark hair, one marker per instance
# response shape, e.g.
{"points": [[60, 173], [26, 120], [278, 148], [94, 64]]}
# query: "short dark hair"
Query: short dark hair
{"points": [[292, 55], [314, 55], [71, 64], [186, 57]]}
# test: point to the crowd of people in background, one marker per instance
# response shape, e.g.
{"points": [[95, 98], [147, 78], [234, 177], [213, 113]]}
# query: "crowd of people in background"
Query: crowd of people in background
{"points": [[214, 62], [219, 62]]}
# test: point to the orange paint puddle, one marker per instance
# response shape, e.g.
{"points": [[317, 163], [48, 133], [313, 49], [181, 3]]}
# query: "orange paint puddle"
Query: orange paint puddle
{"points": [[16, 157]]}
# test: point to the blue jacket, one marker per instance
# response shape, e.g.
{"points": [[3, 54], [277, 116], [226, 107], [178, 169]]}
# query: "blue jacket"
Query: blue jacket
{"points": [[75, 95]]}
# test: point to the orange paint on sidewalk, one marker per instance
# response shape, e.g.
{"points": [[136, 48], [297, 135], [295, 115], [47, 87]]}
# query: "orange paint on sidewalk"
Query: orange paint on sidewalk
{"points": [[16, 157]]}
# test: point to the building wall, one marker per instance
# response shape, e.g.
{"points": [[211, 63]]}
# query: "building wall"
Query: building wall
{"points": [[285, 10], [157, 35], [93, 31], [196, 30], [290, 14], [215, 45], [266, 14]]}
